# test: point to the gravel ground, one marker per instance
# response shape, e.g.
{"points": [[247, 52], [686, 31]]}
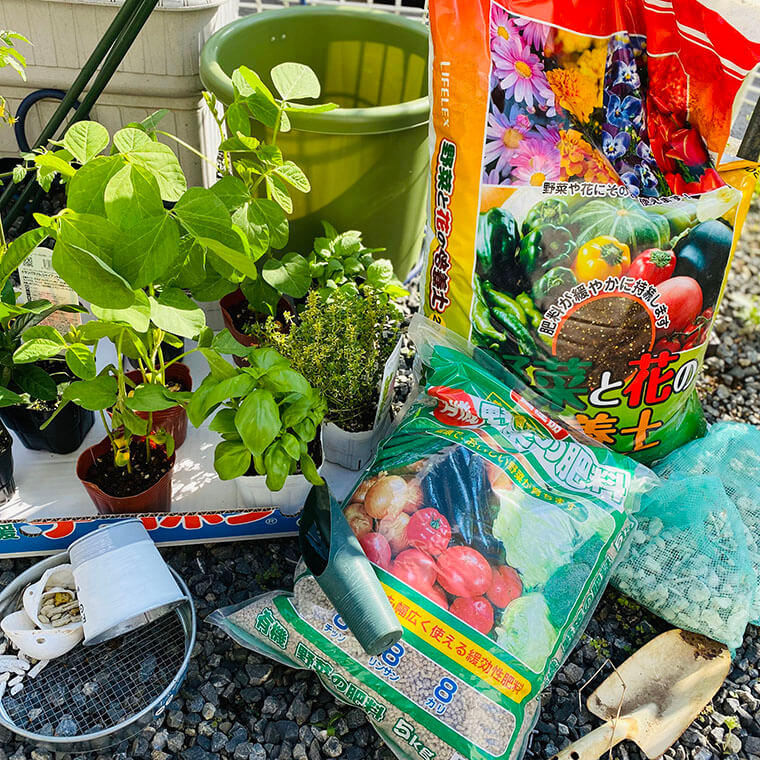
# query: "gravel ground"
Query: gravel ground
{"points": [[237, 705]]}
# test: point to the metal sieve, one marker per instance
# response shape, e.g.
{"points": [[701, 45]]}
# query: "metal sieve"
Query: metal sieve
{"points": [[97, 696]]}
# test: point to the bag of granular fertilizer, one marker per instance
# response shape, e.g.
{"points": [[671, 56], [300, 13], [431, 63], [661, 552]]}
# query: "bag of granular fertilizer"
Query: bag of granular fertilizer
{"points": [[586, 197], [695, 559], [493, 533]]}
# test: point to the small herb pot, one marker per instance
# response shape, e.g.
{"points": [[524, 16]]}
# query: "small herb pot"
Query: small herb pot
{"points": [[7, 483], [157, 498], [62, 436], [173, 419], [228, 304], [252, 491], [351, 450]]}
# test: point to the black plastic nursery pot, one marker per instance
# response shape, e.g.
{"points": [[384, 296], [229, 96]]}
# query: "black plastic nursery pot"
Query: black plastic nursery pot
{"points": [[62, 436], [7, 483]]}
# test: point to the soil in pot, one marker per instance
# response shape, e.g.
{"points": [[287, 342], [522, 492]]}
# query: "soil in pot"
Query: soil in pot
{"points": [[120, 482], [65, 433], [173, 419]]}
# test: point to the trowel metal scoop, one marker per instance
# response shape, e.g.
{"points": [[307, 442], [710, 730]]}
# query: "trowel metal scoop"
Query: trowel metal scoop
{"points": [[654, 695]]}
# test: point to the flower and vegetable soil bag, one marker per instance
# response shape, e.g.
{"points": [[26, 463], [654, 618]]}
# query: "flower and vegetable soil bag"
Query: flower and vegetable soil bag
{"points": [[493, 532], [586, 197]]}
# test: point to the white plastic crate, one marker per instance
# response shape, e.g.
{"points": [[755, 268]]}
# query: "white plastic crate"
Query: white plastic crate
{"points": [[159, 71]]}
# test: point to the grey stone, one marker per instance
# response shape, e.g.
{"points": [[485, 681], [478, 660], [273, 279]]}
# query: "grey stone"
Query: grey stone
{"points": [[332, 747], [243, 751]]}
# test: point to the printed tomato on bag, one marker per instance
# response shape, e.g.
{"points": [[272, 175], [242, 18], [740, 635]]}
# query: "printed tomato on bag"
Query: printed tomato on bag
{"points": [[586, 198]]}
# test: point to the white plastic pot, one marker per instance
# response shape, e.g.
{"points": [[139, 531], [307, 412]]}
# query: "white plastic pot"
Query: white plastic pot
{"points": [[40, 644], [122, 580], [352, 450], [252, 492], [159, 71]]}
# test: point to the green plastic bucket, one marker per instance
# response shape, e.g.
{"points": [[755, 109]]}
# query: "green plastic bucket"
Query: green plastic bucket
{"points": [[367, 161]]}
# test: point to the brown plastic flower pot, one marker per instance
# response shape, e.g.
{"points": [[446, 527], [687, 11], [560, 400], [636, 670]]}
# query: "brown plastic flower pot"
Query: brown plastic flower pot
{"points": [[228, 303], [174, 419], [157, 498]]}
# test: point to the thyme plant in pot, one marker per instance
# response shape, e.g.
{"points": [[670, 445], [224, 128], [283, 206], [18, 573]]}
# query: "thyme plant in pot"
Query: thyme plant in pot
{"points": [[344, 346], [268, 416]]}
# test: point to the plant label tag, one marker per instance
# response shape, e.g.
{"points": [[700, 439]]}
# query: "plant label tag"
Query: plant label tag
{"points": [[386, 384], [39, 280]]}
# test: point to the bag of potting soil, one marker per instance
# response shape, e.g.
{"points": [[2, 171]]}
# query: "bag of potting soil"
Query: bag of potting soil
{"points": [[586, 197], [493, 533]]}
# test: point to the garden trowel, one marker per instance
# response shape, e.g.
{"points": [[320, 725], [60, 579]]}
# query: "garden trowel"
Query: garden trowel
{"points": [[653, 697]]}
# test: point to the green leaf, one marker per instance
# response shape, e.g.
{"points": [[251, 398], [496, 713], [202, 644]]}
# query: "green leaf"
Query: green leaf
{"points": [[265, 211], [205, 215], [36, 382], [305, 429], [286, 380], [53, 163], [19, 173], [235, 259], [37, 349], [231, 460], [85, 140], [17, 252], [149, 249], [136, 316], [262, 109], [196, 409], [224, 422], [231, 191], [289, 275], [133, 423], [81, 361], [159, 160], [247, 82], [258, 420], [278, 465], [9, 398], [270, 154], [89, 232], [91, 277], [296, 411], [380, 273], [129, 138], [96, 394], [174, 312], [294, 176], [238, 119], [257, 234], [267, 358], [291, 444], [231, 388], [225, 343], [309, 470], [86, 189], [220, 368], [132, 194], [295, 81], [278, 191], [151, 397]]}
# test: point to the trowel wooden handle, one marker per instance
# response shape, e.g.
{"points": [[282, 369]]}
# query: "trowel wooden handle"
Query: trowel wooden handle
{"points": [[594, 744]]}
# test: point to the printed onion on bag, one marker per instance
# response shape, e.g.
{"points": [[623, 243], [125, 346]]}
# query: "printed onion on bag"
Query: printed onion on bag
{"points": [[585, 199]]}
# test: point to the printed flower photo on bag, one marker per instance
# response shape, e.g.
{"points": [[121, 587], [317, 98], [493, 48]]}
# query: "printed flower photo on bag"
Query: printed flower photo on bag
{"points": [[569, 107]]}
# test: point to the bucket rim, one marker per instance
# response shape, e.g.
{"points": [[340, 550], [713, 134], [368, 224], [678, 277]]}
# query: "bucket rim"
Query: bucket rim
{"points": [[373, 120]]}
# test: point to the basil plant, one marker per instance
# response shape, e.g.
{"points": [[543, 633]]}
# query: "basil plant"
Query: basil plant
{"points": [[266, 413]]}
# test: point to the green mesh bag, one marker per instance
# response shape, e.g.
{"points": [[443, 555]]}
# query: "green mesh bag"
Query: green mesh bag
{"points": [[689, 561], [694, 559]]}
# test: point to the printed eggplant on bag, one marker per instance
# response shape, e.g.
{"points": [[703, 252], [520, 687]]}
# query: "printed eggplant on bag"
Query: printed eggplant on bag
{"points": [[584, 205]]}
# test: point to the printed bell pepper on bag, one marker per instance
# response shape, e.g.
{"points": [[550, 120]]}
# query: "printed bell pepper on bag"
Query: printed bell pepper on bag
{"points": [[603, 184]]}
